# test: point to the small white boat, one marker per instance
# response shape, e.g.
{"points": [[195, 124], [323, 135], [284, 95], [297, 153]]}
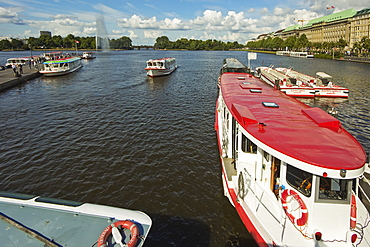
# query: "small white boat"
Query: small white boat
{"points": [[88, 55], [303, 54], [323, 85], [40, 221], [292, 172], [284, 83], [61, 66], [159, 67]]}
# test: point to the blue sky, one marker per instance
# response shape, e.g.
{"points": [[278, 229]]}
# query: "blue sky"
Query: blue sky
{"points": [[143, 20]]}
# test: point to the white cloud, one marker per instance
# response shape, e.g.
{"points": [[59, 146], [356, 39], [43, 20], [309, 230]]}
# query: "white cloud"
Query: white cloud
{"points": [[137, 22], [9, 16]]}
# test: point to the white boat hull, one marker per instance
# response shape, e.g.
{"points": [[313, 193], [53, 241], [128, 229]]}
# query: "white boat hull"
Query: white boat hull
{"points": [[59, 72], [160, 72]]}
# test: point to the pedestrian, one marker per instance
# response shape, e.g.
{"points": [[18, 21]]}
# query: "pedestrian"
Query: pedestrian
{"points": [[14, 69], [30, 62], [20, 69]]}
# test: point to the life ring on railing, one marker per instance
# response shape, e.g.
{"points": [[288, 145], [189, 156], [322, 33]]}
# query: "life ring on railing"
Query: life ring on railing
{"points": [[353, 217], [102, 241], [304, 212]]}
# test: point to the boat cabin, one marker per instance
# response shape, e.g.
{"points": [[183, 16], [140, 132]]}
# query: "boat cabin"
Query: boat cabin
{"points": [[324, 78], [161, 63], [17, 61], [233, 65]]}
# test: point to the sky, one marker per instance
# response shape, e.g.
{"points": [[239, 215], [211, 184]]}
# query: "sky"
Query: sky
{"points": [[145, 20]]}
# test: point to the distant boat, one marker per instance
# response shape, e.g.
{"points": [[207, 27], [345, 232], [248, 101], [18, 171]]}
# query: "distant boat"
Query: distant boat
{"points": [[61, 66], [88, 55], [160, 67], [303, 54], [28, 220]]}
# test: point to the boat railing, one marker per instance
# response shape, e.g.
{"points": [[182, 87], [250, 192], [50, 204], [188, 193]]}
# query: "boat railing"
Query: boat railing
{"points": [[364, 187]]}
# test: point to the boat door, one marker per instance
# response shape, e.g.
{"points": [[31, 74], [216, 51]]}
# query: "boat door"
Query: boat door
{"points": [[234, 140], [275, 175]]}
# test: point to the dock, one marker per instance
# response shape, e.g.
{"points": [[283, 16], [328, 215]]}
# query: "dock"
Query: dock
{"points": [[8, 80]]}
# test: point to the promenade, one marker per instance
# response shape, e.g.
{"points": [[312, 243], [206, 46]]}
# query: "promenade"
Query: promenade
{"points": [[8, 80]]}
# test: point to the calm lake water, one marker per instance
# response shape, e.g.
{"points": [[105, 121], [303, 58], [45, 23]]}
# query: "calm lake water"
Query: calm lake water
{"points": [[108, 134]]}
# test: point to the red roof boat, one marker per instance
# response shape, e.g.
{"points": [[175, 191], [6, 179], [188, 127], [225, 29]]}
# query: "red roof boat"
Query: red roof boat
{"points": [[291, 171]]}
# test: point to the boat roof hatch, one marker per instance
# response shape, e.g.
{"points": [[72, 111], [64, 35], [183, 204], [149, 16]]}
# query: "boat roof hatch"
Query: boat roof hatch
{"points": [[323, 75]]}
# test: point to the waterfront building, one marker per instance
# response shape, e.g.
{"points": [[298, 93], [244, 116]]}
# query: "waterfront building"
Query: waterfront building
{"points": [[349, 25]]}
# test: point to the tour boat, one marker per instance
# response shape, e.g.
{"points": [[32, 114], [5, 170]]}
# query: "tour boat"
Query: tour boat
{"points": [[286, 84], [88, 55], [303, 54], [291, 171], [159, 67], [28, 220], [61, 66], [323, 85], [19, 61]]}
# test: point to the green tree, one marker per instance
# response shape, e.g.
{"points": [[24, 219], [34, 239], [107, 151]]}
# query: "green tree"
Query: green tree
{"points": [[16, 44], [5, 44], [290, 42], [162, 42], [302, 42]]}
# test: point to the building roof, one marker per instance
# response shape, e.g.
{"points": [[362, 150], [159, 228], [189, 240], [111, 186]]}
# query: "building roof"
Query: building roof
{"points": [[363, 12], [333, 17], [291, 28]]}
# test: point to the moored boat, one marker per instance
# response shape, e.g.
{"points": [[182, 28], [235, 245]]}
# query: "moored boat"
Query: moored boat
{"points": [[19, 61], [286, 84], [61, 66], [160, 67], [303, 54], [88, 55], [42, 221], [322, 83], [291, 171]]}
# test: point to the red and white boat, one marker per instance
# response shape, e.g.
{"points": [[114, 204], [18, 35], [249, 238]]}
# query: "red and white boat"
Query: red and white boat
{"points": [[291, 171], [160, 67], [286, 84], [322, 83]]}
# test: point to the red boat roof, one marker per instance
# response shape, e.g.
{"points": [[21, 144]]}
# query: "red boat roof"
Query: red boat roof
{"points": [[289, 126]]}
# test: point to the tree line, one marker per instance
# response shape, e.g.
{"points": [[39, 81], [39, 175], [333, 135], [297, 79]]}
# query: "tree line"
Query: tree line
{"points": [[300, 43], [70, 41], [58, 42], [163, 42]]}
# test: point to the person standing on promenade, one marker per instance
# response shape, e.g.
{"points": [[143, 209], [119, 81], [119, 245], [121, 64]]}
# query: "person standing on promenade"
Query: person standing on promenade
{"points": [[14, 69], [20, 69]]}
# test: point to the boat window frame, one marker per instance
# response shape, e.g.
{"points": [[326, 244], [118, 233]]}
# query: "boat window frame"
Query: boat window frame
{"points": [[332, 201], [247, 146], [306, 178]]}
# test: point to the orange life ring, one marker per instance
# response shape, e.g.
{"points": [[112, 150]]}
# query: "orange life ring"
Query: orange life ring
{"points": [[304, 212], [353, 218], [102, 241]]}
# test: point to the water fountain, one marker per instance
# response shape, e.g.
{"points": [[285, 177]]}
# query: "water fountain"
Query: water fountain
{"points": [[102, 40]]}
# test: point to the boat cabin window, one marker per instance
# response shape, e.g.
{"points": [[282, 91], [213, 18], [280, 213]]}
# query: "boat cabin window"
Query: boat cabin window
{"points": [[333, 190], [248, 146], [299, 179]]}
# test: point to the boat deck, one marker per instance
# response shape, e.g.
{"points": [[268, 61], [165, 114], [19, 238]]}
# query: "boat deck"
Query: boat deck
{"points": [[229, 166], [60, 225]]}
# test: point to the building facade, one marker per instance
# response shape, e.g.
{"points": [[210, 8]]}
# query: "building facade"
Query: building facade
{"points": [[349, 25]]}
